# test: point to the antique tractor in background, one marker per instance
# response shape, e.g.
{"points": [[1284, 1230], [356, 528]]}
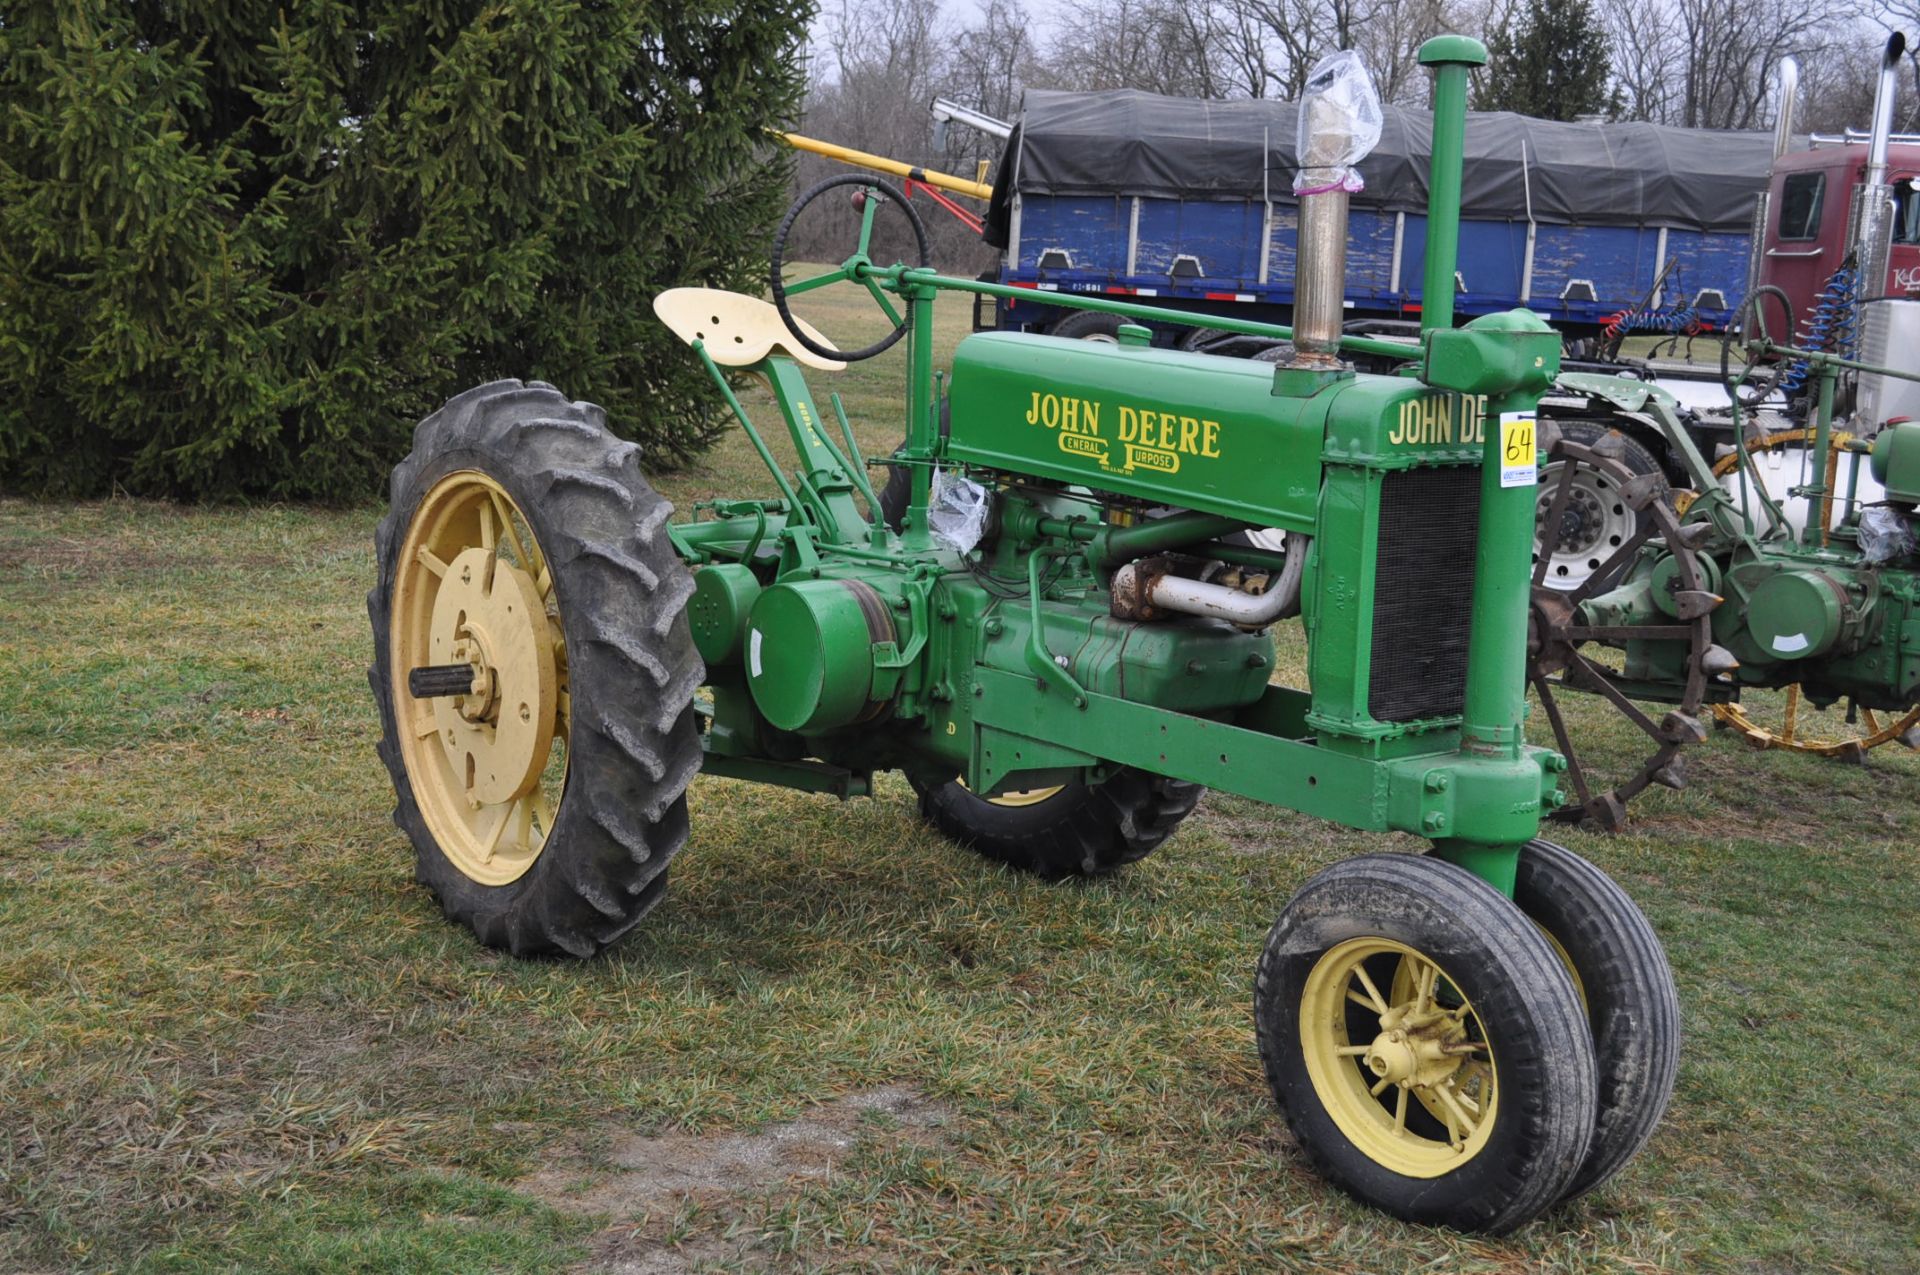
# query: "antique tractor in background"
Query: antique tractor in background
{"points": [[1787, 564], [1722, 591], [1047, 649]]}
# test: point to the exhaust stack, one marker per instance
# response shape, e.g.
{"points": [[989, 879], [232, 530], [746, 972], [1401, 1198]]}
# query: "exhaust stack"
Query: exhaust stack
{"points": [[1871, 245], [1320, 280], [1786, 94], [1339, 125], [1885, 93]]}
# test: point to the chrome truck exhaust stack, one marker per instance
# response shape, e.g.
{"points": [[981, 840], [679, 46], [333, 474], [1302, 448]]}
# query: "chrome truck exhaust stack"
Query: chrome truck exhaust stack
{"points": [[1786, 96], [1872, 243], [1786, 93]]}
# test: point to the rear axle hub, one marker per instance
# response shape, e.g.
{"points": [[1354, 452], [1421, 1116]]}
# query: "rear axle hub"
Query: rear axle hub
{"points": [[488, 615]]}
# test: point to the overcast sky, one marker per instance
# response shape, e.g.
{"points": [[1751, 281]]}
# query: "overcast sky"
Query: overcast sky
{"points": [[1042, 16]]}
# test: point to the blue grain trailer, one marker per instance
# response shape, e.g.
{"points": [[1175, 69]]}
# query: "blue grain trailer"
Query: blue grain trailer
{"points": [[1190, 202]]}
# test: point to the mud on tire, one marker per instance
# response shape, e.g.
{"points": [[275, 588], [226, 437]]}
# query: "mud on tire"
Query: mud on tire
{"points": [[631, 667]]}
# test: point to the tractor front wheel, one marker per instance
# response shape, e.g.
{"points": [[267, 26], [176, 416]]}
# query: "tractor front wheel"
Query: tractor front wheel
{"points": [[1426, 1043], [1626, 987], [534, 671], [1075, 829]]}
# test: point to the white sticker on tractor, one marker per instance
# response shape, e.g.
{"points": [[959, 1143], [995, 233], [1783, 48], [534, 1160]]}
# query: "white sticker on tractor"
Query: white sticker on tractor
{"points": [[753, 653], [1791, 643], [1518, 464]]}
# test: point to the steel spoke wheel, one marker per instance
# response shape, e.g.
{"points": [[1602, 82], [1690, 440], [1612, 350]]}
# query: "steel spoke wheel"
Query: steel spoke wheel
{"points": [[534, 671], [1426, 1044], [1420, 1048], [1791, 723]]}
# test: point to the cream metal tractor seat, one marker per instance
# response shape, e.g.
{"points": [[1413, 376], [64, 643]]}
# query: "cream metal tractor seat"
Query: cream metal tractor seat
{"points": [[737, 330]]}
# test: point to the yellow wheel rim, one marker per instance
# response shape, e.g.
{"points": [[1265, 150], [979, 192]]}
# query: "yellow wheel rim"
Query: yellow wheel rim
{"points": [[487, 768], [1407, 1074], [1022, 797], [1566, 959]]}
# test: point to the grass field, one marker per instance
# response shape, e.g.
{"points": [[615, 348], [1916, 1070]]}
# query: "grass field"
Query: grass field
{"points": [[235, 1035]]}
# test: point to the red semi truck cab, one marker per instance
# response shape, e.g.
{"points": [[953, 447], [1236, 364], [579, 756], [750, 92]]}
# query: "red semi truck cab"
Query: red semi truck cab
{"points": [[1809, 207]]}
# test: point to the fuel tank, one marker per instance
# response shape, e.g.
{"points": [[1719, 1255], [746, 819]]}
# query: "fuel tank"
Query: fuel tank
{"points": [[1193, 430]]}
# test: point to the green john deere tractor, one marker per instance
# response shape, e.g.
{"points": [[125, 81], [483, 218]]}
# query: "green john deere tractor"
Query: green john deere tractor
{"points": [[1048, 649]]}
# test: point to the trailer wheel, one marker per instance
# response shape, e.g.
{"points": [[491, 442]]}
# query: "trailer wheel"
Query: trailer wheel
{"points": [[1594, 520], [524, 569], [1075, 829], [1621, 974], [1425, 1043], [1089, 325]]}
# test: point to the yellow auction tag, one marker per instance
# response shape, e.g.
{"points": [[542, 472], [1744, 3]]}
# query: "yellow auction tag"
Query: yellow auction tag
{"points": [[1518, 463]]}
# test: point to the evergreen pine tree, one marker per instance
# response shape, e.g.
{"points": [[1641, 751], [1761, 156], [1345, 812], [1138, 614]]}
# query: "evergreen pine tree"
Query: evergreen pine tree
{"points": [[1552, 64], [244, 246]]}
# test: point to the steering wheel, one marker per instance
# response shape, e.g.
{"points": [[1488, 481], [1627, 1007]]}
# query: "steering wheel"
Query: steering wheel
{"points": [[854, 268], [1751, 323]]}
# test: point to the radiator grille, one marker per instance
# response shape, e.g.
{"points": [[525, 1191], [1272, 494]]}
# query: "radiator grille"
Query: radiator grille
{"points": [[1423, 592]]}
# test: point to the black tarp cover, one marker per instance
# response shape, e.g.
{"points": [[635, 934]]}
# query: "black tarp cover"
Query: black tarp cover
{"points": [[1126, 142]]}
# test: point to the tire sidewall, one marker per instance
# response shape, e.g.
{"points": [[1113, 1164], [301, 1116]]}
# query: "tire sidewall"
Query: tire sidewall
{"points": [[489, 438], [1631, 1005]]}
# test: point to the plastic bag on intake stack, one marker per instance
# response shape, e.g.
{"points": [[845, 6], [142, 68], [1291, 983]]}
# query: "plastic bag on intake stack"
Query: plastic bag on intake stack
{"points": [[957, 510], [1339, 125]]}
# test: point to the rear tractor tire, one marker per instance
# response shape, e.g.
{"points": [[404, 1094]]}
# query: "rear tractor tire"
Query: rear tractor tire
{"points": [[524, 570], [1075, 829], [1426, 1044]]}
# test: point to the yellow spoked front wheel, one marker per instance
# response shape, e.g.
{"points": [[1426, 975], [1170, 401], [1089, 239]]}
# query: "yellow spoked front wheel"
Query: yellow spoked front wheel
{"points": [[1406, 1073], [472, 590], [534, 671], [1426, 1044]]}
